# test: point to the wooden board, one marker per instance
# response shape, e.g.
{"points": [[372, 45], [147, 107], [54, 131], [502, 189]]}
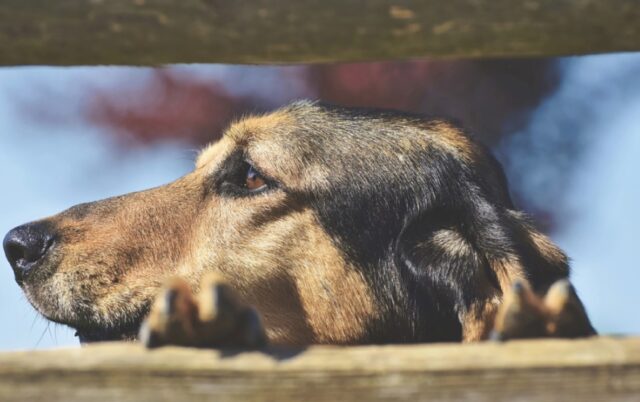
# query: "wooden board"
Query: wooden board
{"points": [[153, 32], [599, 369]]}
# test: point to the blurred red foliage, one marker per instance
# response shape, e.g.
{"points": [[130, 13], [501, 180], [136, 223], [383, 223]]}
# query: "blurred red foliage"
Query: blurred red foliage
{"points": [[492, 98], [170, 106]]}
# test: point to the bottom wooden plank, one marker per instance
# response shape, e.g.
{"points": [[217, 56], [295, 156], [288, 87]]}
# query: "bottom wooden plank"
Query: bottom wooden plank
{"points": [[598, 369]]}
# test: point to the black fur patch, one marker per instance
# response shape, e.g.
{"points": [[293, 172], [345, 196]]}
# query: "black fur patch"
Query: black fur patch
{"points": [[384, 212]]}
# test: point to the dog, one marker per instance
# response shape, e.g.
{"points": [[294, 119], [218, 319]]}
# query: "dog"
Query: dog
{"points": [[313, 224]]}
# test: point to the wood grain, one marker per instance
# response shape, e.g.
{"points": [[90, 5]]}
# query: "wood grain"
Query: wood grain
{"points": [[153, 32], [597, 369]]}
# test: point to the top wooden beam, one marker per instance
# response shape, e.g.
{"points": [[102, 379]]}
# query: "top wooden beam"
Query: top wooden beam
{"points": [[155, 32]]}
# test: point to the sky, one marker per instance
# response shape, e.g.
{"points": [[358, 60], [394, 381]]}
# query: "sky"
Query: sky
{"points": [[48, 168], [596, 109]]}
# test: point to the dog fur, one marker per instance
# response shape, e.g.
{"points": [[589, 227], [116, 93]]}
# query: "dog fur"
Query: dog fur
{"points": [[372, 227]]}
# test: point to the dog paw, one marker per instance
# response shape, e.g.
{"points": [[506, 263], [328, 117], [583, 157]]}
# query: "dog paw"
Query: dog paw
{"points": [[215, 317], [567, 315], [524, 314]]}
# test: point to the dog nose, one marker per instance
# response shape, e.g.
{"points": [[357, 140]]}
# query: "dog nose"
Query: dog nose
{"points": [[24, 246]]}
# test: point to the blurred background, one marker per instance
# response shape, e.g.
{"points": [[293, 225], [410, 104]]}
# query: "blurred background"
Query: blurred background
{"points": [[566, 130]]}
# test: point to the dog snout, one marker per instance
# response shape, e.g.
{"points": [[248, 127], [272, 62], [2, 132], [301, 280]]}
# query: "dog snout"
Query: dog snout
{"points": [[25, 246]]}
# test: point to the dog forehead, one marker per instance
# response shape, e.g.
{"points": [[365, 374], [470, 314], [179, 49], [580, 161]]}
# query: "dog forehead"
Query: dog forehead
{"points": [[306, 135], [246, 132]]}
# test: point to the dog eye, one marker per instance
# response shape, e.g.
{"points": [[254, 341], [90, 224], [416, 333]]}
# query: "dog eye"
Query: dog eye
{"points": [[254, 180]]}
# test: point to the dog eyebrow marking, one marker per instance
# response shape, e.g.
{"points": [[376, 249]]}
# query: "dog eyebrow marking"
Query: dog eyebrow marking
{"points": [[242, 132]]}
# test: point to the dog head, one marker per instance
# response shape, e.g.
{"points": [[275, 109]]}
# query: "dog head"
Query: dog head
{"points": [[338, 225]]}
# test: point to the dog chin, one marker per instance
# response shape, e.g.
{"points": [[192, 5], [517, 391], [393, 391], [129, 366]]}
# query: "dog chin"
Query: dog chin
{"points": [[91, 335], [88, 332], [124, 331]]}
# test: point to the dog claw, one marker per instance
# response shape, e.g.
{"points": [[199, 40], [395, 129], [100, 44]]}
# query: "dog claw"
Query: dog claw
{"points": [[215, 318], [225, 321], [173, 317], [522, 315]]}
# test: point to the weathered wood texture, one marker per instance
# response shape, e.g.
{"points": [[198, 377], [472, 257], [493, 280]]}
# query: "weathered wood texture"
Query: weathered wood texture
{"points": [[151, 32], [601, 369]]}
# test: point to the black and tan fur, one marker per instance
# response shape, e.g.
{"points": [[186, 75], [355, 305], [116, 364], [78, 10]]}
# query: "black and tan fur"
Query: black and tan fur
{"points": [[374, 227]]}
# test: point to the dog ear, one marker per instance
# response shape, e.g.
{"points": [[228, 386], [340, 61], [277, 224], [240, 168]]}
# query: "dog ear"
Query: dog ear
{"points": [[451, 278], [541, 260], [465, 260]]}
